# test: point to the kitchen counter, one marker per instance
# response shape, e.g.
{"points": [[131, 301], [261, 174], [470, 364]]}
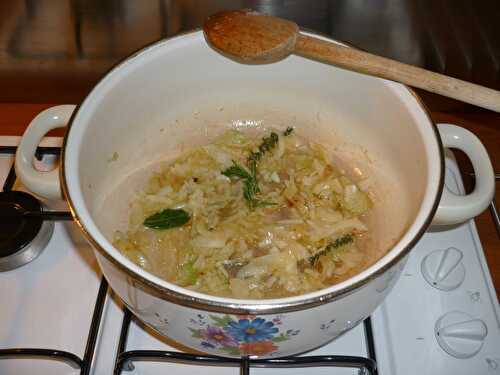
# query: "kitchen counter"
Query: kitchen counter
{"points": [[14, 117]]}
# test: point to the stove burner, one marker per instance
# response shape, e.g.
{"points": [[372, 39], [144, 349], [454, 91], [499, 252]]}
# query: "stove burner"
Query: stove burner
{"points": [[22, 237]]}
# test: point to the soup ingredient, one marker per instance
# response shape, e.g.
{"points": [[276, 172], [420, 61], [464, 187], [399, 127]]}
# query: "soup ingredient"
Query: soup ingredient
{"points": [[166, 219], [288, 131], [250, 184], [250, 217], [339, 242]]}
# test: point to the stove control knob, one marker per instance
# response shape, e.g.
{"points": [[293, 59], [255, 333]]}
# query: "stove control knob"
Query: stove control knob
{"points": [[443, 269], [459, 334]]}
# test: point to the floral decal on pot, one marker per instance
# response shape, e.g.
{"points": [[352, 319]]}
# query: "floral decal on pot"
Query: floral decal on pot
{"points": [[240, 335]]}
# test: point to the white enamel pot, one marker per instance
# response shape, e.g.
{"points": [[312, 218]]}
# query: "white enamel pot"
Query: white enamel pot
{"points": [[179, 92]]}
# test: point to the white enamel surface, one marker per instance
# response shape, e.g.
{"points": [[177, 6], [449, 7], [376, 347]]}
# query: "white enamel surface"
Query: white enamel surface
{"points": [[443, 269], [44, 184], [454, 209], [404, 325], [460, 335], [144, 114], [339, 316]]}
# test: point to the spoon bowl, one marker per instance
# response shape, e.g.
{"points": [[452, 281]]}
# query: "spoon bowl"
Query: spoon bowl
{"points": [[251, 37]]}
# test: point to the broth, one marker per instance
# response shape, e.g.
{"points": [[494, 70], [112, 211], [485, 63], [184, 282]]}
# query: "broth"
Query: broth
{"points": [[260, 214]]}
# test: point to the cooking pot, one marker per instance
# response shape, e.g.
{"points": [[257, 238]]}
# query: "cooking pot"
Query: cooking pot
{"points": [[179, 92]]}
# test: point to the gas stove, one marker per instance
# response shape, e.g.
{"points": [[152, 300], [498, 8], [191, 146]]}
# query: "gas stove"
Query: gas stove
{"points": [[59, 316]]}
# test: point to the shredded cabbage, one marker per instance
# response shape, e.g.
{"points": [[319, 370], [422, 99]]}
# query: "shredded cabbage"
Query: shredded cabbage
{"points": [[230, 248]]}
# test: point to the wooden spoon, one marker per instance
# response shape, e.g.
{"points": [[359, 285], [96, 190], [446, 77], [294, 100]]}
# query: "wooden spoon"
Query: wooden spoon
{"points": [[255, 38]]}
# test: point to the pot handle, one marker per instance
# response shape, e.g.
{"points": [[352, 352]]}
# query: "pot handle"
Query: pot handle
{"points": [[44, 184], [453, 208]]}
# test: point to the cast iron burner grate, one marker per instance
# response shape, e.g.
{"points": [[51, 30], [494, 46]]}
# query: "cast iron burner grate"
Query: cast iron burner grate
{"points": [[125, 359], [71, 359], [26, 226]]}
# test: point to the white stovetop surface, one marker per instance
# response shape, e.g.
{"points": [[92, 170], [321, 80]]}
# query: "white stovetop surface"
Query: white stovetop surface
{"points": [[49, 304]]}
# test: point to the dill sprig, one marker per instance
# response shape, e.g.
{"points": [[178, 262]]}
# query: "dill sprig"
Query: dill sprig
{"points": [[288, 131], [250, 190], [238, 171], [339, 242], [250, 183]]}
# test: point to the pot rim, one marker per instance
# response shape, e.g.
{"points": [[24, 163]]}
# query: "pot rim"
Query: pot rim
{"points": [[151, 283]]}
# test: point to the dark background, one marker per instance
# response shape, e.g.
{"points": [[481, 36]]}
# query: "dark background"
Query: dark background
{"points": [[55, 50]]}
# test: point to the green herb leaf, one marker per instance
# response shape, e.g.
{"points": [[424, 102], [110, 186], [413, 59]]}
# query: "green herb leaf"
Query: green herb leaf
{"points": [[288, 131], [236, 170], [250, 183], [196, 333], [250, 189], [282, 337], [221, 322], [167, 219], [338, 243]]}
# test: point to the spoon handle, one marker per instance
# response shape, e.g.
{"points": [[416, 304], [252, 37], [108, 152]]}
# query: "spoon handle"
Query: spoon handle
{"points": [[367, 63]]}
